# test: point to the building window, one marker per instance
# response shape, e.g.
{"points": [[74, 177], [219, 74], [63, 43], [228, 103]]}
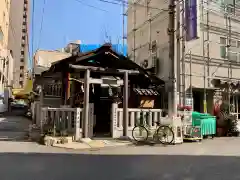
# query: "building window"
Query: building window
{"points": [[25, 8], [21, 83], [4, 16], [11, 52], [233, 52], [233, 43], [21, 75], [223, 51], [22, 52], [233, 56], [21, 67], [24, 30], [4, 63], [1, 34], [230, 9], [154, 46], [238, 44], [22, 59], [223, 40]]}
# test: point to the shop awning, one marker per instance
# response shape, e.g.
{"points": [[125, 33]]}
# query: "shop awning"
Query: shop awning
{"points": [[146, 92]]}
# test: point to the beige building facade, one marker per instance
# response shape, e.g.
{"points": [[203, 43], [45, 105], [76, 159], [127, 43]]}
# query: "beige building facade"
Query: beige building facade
{"points": [[19, 40], [44, 58], [148, 31], [6, 59], [4, 22]]}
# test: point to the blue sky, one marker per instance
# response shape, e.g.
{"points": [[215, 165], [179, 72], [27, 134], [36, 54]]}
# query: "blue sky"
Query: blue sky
{"points": [[67, 20]]}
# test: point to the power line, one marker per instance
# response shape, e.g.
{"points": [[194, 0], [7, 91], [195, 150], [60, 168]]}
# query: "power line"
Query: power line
{"points": [[33, 13], [89, 5], [41, 26], [121, 2]]}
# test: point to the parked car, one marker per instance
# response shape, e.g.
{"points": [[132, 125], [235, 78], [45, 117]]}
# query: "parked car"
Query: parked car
{"points": [[3, 107], [19, 107]]}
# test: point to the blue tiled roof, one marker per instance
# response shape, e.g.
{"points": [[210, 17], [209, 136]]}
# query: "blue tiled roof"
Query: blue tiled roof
{"points": [[90, 47]]}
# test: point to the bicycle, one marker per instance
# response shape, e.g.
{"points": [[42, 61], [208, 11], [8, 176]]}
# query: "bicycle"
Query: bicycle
{"points": [[161, 133]]}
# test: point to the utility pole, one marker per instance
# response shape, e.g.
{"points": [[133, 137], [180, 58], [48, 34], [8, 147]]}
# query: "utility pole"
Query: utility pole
{"points": [[203, 58], [150, 32], [183, 54], [172, 106], [208, 46], [178, 54], [229, 36]]}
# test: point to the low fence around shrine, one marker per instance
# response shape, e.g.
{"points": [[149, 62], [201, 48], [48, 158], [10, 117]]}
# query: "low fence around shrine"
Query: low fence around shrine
{"points": [[66, 121], [62, 121], [154, 115]]}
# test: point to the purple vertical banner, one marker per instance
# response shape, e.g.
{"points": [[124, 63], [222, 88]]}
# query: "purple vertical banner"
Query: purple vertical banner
{"points": [[191, 19]]}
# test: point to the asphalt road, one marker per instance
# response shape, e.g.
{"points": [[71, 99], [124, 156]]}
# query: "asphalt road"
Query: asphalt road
{"points": [[217, 159]]}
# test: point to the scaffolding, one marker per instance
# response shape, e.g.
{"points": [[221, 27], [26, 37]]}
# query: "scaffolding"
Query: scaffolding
{"points": [[184, 56]]}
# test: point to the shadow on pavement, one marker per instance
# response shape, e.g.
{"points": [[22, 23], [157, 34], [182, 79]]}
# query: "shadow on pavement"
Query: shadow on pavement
{"points": [[146, 143], [39, 166], [13, 128]]}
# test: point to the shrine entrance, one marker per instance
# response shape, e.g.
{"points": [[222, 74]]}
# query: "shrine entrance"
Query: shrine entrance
{"points": [[102, 124]]}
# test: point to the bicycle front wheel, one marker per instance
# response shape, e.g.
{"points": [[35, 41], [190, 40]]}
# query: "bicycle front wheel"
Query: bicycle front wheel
{"points": [[165, 134], [140, 133]]}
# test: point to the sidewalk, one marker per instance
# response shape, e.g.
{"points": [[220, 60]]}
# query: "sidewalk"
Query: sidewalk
{"points": [[92, 144]]}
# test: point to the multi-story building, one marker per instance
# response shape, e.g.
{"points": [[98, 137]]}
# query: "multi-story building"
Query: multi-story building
{"points": [[211, 57], [4, 22], [19, 39], [6, 59]]}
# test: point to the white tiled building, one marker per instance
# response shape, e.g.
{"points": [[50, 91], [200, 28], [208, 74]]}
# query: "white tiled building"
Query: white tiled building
{"points": [[217, 67]]}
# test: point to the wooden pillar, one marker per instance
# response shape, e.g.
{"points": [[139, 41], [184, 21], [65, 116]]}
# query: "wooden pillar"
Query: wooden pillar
{"points": [[73, 91], [86, 103], [125, 105], [67, 87], [63, 87]]}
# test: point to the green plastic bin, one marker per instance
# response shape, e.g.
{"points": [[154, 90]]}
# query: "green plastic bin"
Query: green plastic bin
{"points": [[206, 122]]}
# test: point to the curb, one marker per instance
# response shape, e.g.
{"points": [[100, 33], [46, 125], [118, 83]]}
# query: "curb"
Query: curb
{"points": [[91, 149]]}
